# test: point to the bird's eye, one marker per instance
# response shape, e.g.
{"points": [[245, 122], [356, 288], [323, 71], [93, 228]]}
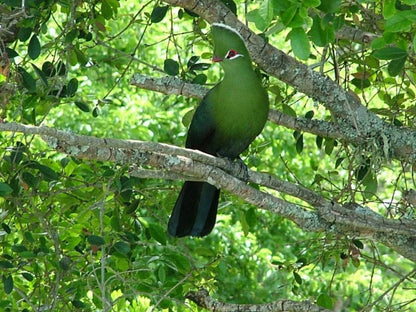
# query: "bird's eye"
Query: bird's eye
{"points": [[231, 54]]}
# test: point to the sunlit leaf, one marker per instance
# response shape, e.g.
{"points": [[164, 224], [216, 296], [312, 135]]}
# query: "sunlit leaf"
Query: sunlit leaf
{"points": [[324, 300], [300, 43], [390, 53]]}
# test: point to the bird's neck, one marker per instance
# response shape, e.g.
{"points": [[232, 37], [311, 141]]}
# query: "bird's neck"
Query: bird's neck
{"points": [[242, 76]]}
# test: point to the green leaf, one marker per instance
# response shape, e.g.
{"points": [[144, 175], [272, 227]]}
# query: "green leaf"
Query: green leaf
{"points": [[361, 84], [11, 53], [286, 109], [320, 35], [378, 43], [8, 284], [319, 140], [82, 106], [95, 112], [371, 185], [5, 189], [329, 145], [4, 264], [289, 14], [27, 80], [324, 300], [122, 247], [311, 3], [27, 276], [251, 217], [414, 43], [299, 144], [200, 66], [71, 35], [244, 225], [80, 56], [255, 17], [309, 114], [192, 60], [106, 10], [231, 5], [158, 233], [338, 162], [24, 33], [390, 53], [29, 179], [180, 261], [358, 243], [297, 277], [161, 274], [300, 43], [72, 87], [362, 171], [96, 240], [158, 14], [389, 8], [65, 263], [171, 67], [33, 48], [78, 304], [329, 6], [48, 173], [396, 66], [200, 79], [398, 22], [266, 11], [6, 228], [187, 118], [41, 75]]}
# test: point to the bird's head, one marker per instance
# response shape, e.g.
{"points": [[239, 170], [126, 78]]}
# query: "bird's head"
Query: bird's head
{"points": [[228, 45]]}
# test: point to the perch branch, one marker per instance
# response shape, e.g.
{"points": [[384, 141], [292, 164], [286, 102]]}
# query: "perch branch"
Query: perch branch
{"points": [[204, 300], [349, 219], [353, 118]]}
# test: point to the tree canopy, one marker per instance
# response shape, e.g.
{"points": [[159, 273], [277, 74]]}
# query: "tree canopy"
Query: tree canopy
{"points": [[95, 101]]}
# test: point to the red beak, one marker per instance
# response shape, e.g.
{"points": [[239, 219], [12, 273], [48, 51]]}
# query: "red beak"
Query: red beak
{"points": [[216, 59]]}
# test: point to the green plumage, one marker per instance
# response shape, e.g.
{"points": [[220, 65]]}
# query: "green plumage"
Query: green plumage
{"points": [[227, 120]]}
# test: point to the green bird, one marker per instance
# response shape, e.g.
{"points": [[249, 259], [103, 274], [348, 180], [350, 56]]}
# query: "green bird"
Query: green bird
{"points": [[227, 120]]}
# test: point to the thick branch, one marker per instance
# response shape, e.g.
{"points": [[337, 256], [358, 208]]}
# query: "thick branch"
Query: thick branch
{"points": [[204, 300], [352, 117], [350, 219], [171, 85]]}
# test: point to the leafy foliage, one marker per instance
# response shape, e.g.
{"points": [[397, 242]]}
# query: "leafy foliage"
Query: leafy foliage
{"points": [[86, 236]]}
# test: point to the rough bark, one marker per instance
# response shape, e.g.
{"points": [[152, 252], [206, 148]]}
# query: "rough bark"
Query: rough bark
{"points": [[355, 122], [173, 162]]}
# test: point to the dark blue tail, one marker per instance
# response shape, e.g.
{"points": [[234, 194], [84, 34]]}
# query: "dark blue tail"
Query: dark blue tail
{"points": [[195, 210]]}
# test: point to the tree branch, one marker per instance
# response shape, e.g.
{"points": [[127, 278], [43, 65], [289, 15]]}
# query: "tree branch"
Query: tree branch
{"points": [[204, 300], [172, 85], [175, 162], [355, 120]]}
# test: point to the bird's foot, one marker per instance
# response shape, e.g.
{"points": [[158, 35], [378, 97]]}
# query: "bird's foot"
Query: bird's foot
{"points": [[242, 173]]}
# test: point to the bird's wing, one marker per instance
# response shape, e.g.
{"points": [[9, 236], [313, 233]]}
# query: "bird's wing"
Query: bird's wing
{"points": [[202, 128]]}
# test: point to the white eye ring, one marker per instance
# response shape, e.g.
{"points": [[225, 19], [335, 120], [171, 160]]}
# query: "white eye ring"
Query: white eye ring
{"points": [[232, 54]]}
